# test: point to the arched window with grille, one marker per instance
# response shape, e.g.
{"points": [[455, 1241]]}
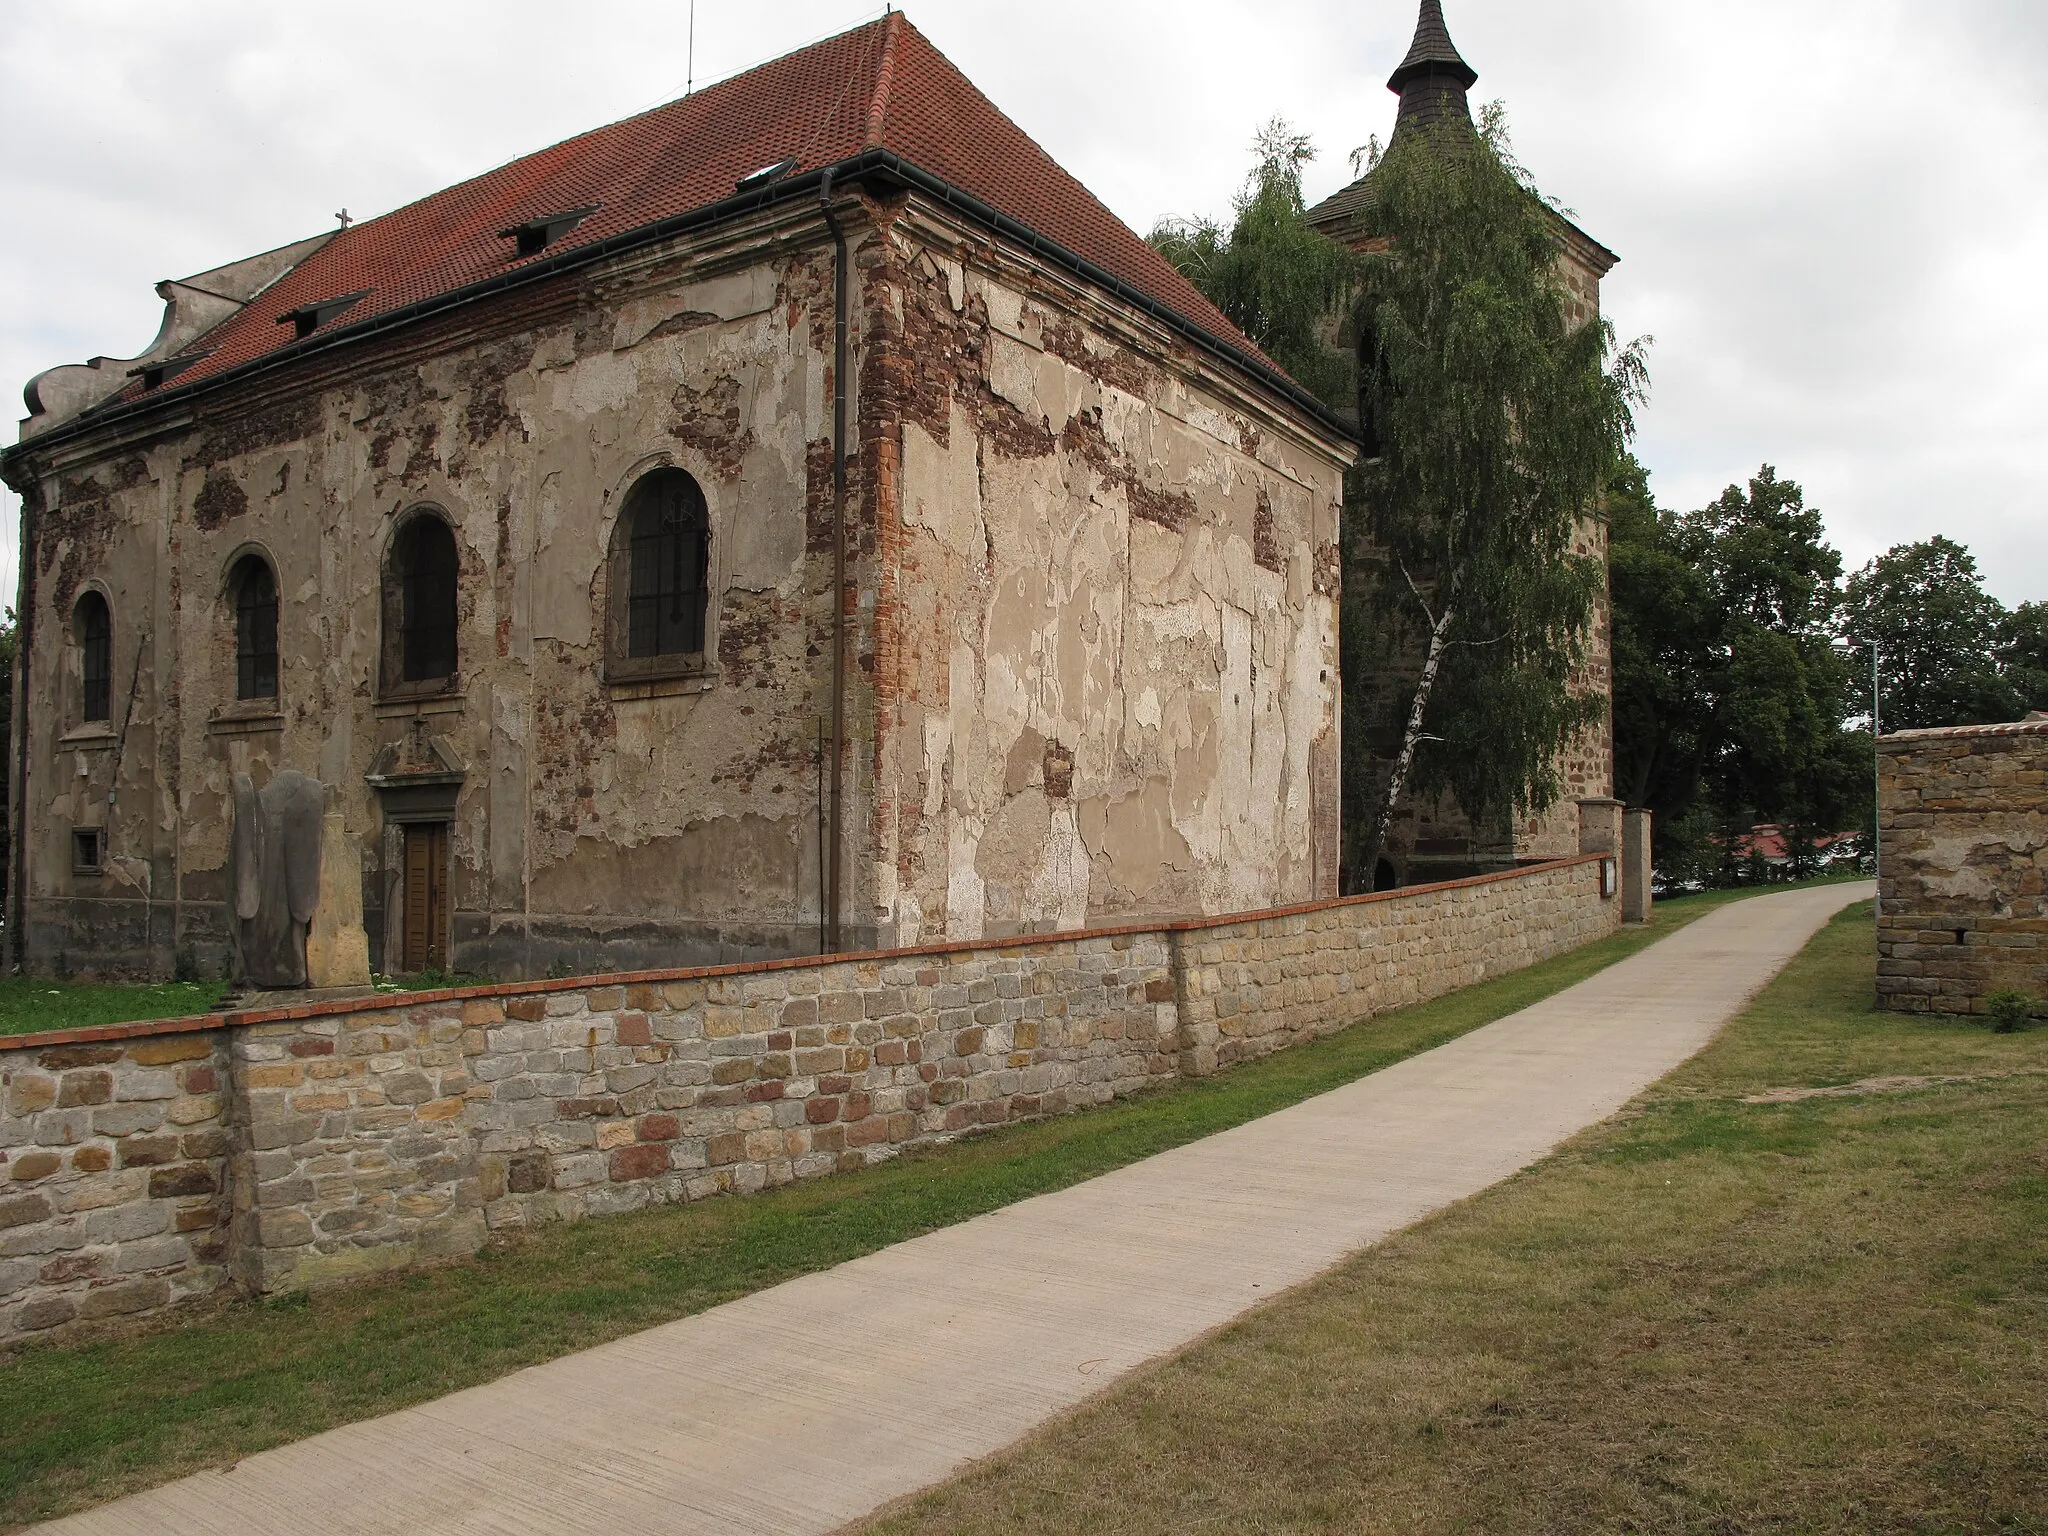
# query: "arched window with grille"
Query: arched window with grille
{"points": [[661, 576], [253, 589], [420, 582], [93, 624]]}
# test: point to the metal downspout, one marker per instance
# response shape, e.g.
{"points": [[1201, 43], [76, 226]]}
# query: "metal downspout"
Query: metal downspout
{"points": [[836, 788], [25, 620]]}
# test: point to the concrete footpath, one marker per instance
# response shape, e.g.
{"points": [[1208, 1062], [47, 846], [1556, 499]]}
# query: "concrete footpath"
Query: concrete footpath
{"points": [[803, 1407]]}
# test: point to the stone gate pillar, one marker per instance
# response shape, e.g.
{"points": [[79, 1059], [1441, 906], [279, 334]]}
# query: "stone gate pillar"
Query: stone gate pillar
{"points": [[1635, 866]]}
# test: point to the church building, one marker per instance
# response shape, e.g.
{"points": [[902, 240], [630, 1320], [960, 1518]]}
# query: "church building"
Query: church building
{"points": [[798, 518]]}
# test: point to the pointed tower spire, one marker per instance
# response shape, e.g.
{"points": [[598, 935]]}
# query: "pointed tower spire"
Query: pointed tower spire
{"points": [[1433, 79]]}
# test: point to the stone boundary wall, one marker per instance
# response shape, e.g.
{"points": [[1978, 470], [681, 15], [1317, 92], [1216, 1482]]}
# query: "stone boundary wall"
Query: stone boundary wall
{"points": [[113, 1164], [145, 1164], [1963, 865]]}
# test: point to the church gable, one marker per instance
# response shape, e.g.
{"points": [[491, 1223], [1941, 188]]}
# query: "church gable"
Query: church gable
{"points": [[874, 102]]}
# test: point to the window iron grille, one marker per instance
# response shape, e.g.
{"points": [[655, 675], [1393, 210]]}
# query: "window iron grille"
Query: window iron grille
{"points": [[668, 564]]}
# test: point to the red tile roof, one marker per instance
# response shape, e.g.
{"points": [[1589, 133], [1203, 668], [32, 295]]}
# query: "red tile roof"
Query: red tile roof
{"points": [[1767, 842], [882, 86]]}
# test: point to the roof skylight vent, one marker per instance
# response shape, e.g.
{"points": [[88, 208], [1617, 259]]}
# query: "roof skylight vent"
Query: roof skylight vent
{"points": [[536, 234], [164, 369], [765, 175], [308, 318]]}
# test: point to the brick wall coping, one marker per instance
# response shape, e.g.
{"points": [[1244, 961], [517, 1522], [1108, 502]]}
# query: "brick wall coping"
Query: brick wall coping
{"points": [[1965, 732], [386, 1002]]}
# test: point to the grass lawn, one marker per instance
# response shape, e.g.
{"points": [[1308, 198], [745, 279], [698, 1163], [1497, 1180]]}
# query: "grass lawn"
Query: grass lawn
{"points": [[81, 1424], [1736, 1308], [29, 1004]]}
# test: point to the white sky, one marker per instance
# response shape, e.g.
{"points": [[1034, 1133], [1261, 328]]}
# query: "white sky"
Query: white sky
{"points": [[1830, 213]]}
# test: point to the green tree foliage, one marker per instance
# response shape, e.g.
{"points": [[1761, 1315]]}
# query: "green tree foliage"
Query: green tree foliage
{"points": [[1940, 637], [1278, 280], [2023, 654], [1666, 634], [1730, 698], [1499, 419], [1784, 692]]}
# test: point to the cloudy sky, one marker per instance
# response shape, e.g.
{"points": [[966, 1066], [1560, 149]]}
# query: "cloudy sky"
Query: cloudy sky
{"points": [[1830, 213]]}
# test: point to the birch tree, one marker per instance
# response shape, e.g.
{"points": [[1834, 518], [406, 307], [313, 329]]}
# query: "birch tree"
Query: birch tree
{"points": [[1278, 280], [1493, 419]]}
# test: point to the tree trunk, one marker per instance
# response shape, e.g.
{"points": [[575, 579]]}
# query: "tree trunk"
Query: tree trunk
{"points": [[1440, 626]]}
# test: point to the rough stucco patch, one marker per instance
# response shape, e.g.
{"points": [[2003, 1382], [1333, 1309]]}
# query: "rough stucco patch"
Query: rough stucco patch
{"points": [[1010, 852], [731, 297], [726, 867], [220, 499], [1058, 894], [942, 485], [1135, 835], [1025, 762]]}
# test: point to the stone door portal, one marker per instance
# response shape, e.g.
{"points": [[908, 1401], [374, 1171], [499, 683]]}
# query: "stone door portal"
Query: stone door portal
{"points": [[426, 897]]}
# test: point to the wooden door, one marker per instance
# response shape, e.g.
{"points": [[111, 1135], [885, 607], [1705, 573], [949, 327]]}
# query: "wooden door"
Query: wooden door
{"points": [[426, 897]]}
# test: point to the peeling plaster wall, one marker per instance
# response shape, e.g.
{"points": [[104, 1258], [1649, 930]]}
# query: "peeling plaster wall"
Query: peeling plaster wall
{"points": [[1109, 672], [595, 824], [97, 528], [1090, 617]]}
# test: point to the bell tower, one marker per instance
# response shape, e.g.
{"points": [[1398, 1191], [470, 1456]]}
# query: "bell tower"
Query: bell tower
{"points": [[1434, 83], [1433, 80]]}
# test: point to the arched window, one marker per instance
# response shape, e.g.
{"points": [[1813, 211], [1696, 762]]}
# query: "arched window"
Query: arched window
{"points": [[667, 566], [659, 618], [94, 625], [254, 592], [419, 603]]}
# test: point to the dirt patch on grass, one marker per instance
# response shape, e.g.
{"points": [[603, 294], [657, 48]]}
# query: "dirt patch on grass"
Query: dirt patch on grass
{"points": [[1875, 1085]]}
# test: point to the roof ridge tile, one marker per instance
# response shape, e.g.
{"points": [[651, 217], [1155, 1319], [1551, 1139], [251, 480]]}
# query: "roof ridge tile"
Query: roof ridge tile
{"points": [[885, 75]]}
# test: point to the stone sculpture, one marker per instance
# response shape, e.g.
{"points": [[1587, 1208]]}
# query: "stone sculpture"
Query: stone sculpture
{"points": [[275, 872], [337, 948]]}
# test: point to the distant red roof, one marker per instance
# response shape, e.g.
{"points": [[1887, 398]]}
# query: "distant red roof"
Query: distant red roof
{"points": [[1767, 842], [880, 87]]}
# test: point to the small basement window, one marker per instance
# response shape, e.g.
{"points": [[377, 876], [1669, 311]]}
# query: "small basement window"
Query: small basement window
{"points": [[765, 175], [532, 236], [308, 318], [88, 850]]}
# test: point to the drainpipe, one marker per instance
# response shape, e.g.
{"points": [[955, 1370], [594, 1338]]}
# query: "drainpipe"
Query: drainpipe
{"points": [[836, 789], [25, 621]]}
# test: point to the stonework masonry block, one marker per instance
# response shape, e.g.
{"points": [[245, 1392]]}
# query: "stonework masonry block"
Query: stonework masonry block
{"points": [[139, 1173], [1963, 855]]}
